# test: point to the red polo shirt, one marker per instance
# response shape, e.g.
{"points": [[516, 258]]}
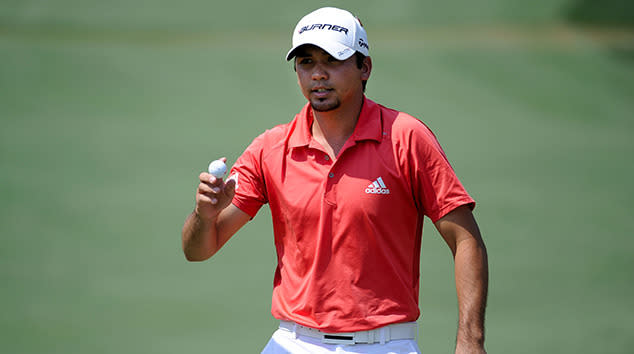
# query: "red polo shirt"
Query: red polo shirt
{"points": [[348, 232]]}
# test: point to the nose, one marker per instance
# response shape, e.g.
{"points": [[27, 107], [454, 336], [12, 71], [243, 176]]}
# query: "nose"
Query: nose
{"points": [[319, 72]]}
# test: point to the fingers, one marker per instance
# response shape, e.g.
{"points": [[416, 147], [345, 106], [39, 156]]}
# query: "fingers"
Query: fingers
{"points": [[214, 189], [213, 194], [205, 177], [207, 194], [204, 200]]}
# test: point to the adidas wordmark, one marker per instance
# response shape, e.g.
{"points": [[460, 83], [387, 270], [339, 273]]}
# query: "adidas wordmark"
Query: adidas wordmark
{"points": [[377, 187]]}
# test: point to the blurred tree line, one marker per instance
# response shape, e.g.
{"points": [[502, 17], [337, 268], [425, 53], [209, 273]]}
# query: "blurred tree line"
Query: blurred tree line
{"points": [[602, 12]]}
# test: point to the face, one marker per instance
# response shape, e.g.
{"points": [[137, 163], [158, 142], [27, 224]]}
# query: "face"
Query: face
{"points": [[326, 82]]}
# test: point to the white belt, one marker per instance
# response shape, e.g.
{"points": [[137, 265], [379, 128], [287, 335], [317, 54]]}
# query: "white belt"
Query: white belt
{"points": [[396, 331]]}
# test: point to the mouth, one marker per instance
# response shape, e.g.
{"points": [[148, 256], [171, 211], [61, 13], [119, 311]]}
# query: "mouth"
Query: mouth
{"points": [[321, 91]]}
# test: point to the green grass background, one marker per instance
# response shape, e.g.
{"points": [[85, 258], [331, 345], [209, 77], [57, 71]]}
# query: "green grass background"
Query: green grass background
{"points": [[109, 110]]}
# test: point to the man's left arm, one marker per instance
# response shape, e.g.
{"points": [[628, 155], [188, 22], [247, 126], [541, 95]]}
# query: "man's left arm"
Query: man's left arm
{"points": [[461, 232]]}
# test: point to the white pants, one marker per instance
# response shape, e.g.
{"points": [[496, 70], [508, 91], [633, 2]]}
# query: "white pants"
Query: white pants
{"points": [[284, 341]]}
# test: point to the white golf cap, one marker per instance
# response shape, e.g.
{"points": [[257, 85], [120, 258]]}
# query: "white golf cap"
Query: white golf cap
{"points": [[334, 30]]}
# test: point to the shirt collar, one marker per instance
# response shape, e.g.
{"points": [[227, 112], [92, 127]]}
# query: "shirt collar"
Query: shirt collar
{"points": [[369, 125]]}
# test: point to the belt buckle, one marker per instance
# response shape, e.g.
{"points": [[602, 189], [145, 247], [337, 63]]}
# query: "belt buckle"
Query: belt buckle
{"points": [[338, 339]]}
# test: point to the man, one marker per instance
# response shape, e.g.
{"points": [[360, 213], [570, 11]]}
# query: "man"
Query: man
{"points": [[348, 182]]}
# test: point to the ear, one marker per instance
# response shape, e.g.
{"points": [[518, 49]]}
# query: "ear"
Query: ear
{"points": [[366, 68]]}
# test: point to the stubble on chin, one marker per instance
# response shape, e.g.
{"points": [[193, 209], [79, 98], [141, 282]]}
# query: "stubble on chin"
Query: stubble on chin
{"points": [[324, 106]]}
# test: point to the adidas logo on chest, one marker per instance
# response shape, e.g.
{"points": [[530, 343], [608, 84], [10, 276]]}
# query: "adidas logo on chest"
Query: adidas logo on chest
{"points": [[377, 187]]}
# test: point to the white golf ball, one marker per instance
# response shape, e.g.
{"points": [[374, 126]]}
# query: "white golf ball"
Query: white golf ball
{"points": [[217, 168]]}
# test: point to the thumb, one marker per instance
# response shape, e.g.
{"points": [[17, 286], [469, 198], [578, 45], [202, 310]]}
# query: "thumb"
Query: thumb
{"points": [[230, 188]]}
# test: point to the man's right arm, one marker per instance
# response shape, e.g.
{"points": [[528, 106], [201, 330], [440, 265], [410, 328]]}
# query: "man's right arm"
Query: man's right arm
{"points": [[214, 219]]}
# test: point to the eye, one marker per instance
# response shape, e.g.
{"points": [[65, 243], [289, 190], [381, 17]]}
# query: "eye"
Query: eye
{"points": [[304, 61]]}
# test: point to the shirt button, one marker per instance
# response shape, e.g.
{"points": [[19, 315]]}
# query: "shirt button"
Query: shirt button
{"points": [[331, 175]]}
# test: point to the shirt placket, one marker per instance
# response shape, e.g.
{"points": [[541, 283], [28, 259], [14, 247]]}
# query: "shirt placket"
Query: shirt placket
{"points": [[330, 193]]}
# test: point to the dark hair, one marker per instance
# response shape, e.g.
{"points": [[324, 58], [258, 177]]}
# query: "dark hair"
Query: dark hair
{"points": [[360, 57]]}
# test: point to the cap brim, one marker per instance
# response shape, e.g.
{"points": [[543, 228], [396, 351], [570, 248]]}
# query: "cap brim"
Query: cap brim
{"points": [[337, 50]]}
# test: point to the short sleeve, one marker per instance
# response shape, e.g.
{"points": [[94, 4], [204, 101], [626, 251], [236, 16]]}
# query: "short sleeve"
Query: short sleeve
{"points": [[247, 173], [436, 187]]}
